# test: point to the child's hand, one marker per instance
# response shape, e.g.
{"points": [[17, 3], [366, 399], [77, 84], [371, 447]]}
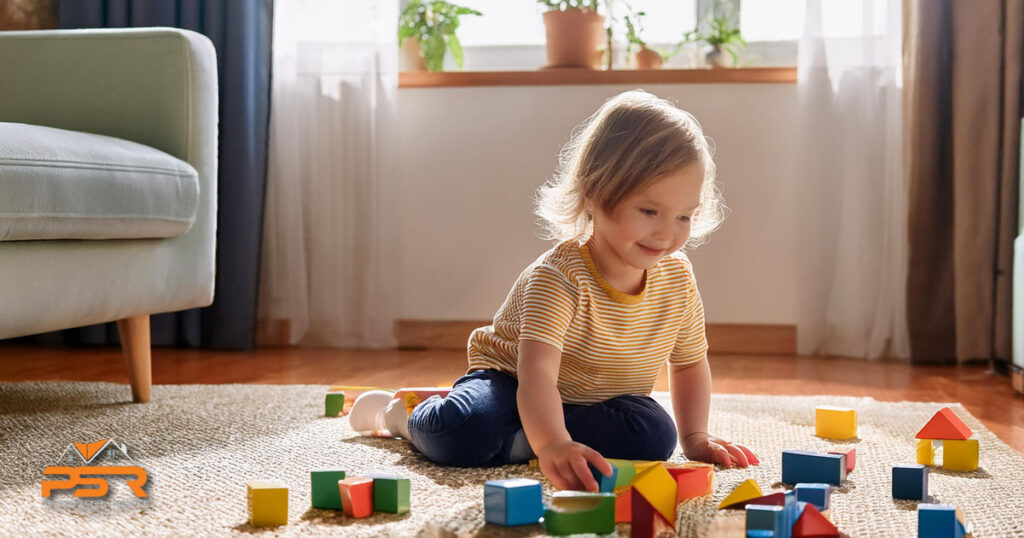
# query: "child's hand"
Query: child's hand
{"points": [[708, 448], [565, 464]]}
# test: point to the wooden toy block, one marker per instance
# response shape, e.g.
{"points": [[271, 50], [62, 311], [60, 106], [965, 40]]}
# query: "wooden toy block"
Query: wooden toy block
{"points": [[605, 483], [960, 455], [939, 521], [412, 396], [818, 495], [769, 519], [267, 501], [390, 493], [851, 457], [515, 501], [334, 404], [693, 482], [944, 425], [813, 524], [627, 470], [747, 490], [910, 481], [812, 467], [646, 521], [657, 486], [925, 452], [356, 496], [623, 504], [835, 422], [576, 512], [772, 499], [325, 492]]}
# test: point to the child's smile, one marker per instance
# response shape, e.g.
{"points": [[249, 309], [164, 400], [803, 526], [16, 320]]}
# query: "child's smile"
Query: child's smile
{"points": [[644, 228]]}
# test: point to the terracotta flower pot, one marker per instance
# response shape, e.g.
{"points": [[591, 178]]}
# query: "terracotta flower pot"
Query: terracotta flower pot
{"points": [[574, 38], [648, 59], [411, 55]]}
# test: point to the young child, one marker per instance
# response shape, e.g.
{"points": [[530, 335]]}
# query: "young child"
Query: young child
{"points": [[566, 370]]}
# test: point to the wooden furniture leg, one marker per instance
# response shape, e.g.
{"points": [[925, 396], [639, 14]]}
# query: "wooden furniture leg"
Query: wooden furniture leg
{"points": [[134, 334]]}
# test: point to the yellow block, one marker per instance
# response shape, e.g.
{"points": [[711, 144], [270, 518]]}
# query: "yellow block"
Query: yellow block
{"points": [[835, 422], [268, 503], [925, 452], [960, 455], [659, 488], [743, 492]]}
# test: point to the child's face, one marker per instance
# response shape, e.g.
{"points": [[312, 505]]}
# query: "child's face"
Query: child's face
{"points": [[652, 223]]}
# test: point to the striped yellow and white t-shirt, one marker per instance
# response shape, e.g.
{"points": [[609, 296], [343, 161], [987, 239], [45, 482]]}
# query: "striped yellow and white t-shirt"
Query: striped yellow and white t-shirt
{"points": [[612, 343]]}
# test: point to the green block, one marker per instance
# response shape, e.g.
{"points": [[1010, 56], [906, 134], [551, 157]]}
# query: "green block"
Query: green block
{"points": [[627, 470], [325, 488], [334, 403], [579, 512], [390, 493]]}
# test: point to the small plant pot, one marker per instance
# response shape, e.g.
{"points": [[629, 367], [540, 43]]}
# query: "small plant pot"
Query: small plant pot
{"points": [[716, 58], [574, 38], [648, 59], [411, 55]]}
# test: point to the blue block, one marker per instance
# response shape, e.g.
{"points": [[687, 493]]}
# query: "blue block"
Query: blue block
{"points": [[766, 520], [938, 521], [515, 501], [816, 494], [812, 467], [910, 481], [605, 484]]}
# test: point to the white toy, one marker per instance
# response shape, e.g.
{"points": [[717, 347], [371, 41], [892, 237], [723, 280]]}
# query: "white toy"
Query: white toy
{"points": [[367, 414]]}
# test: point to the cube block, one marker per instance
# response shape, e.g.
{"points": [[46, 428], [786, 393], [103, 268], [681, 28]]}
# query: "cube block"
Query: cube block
{"points": [[812, 467], [577, 512], [835, 422], [960, 455], [938, 521], [334, 404], [516, 501], [390, 493], [925, 452], [762, 517], [267, 501], [817, 495], [623, 504], [325, 493], [356, 496], [696, 481], [910, 481], [605, 483]]}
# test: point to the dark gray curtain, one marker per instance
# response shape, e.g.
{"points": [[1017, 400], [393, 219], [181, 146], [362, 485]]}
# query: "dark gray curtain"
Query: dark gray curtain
{"points": [[241, 32], [963, 107]]}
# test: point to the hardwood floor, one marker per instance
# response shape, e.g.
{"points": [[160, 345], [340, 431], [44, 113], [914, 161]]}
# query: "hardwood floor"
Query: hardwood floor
{"points": [[988, 396]]}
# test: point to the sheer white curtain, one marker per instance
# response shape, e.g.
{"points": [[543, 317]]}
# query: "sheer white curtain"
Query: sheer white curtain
{"points": [[328, 257], [850, 193]]}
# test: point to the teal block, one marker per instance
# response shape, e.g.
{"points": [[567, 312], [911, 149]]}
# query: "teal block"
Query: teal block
{"points": [[515, 501], [325, 493], [605, 484]]}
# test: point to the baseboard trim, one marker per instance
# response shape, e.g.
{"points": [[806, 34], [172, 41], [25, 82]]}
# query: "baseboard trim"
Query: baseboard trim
{"points": [[723, 338]]}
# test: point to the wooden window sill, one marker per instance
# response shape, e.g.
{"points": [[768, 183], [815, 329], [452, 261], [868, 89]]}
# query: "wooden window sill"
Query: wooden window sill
{"points": [[560, 77]]}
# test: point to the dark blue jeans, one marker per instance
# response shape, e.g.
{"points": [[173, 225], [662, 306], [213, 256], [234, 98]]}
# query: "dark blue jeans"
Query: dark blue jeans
{"points": [[477, 422]]}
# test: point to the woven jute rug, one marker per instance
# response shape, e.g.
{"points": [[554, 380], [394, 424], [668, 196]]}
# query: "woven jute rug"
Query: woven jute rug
{"points": [[201, 444]]}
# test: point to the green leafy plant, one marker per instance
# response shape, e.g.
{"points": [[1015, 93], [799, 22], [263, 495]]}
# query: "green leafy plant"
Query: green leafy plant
{"points": [[634, 31], [721, 33], [562, 5], [433, 24]]}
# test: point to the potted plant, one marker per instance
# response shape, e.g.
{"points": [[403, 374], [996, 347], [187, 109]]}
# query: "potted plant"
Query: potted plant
{"points": [[646, 57], [722, 35], [575, 33], [426, 32]]}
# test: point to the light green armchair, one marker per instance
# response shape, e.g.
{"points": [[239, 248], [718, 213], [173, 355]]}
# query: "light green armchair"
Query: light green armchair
{"points": [[108, 181]]}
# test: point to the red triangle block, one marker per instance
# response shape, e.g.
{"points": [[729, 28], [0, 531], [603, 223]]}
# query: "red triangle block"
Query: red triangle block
{"points": [[811, 524], [772, 499], [945, 425]]}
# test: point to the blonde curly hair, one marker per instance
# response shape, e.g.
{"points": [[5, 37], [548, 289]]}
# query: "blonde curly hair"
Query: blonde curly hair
{"points": [[633, 139]]}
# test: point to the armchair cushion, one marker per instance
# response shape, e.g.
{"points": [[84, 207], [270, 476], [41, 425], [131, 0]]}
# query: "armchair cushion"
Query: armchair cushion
{"points": [[61, 184]]}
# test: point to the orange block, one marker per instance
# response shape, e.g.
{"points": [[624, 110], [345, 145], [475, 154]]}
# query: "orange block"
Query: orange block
{"points": [[945, 425], [356, 496], [624, 505], [812, 523], [693, 481]]}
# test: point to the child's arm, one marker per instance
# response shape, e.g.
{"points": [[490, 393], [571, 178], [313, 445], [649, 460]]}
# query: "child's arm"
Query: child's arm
{"points": [[691, 402], [561, 459]]}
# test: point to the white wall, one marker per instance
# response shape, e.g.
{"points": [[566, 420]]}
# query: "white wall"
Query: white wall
{"points": [[472, 158]]}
